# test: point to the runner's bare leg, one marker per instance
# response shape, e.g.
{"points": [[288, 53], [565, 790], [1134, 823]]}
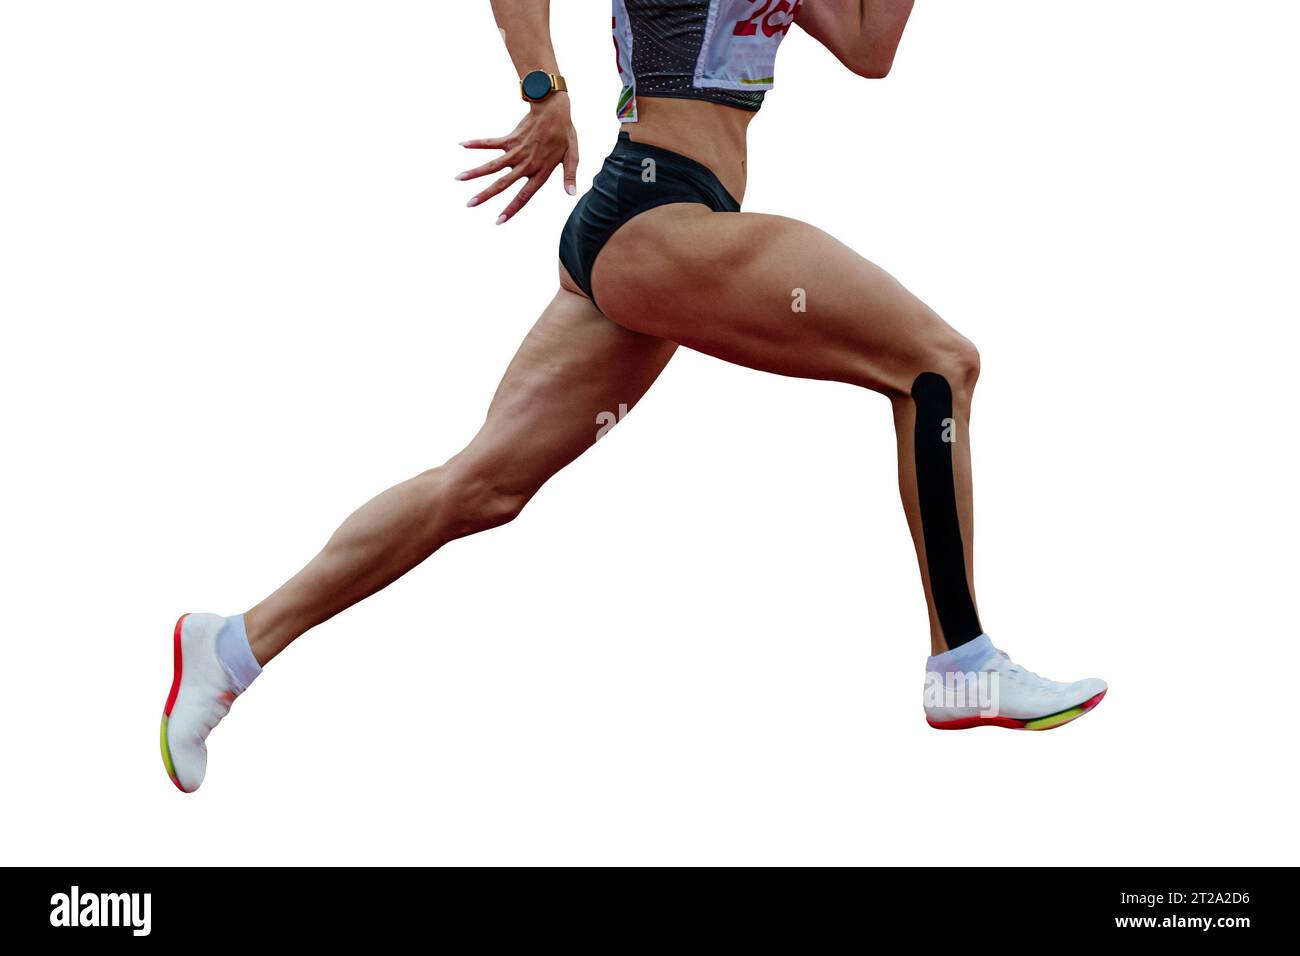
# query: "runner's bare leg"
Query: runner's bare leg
{"points": [[573, 365], [724, 284]]}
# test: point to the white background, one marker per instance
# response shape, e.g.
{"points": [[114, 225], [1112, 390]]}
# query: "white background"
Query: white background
{"points": [[241, 293]]}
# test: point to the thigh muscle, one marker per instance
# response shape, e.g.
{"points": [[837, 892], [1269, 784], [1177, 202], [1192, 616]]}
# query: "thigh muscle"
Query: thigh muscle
{"points": [[574, 369], [767, 292]]}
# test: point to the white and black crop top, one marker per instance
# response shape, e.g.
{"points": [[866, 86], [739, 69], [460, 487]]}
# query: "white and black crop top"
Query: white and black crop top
{"points": [[722, 51]]}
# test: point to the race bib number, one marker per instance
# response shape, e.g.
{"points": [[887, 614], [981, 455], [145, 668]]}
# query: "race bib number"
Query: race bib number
{"points": [[740, 43]]}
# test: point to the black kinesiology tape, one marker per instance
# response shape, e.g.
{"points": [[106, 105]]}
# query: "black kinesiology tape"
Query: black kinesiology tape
{"points": [[944, 555]]}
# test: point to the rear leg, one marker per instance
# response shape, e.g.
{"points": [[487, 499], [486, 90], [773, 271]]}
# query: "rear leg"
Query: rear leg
{"points": [[573, 365]]}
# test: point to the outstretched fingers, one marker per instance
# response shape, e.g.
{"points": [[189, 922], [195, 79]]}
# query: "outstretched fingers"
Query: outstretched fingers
{"points": [[497, 187], [495, 166], [533, 184], [494, 142]]}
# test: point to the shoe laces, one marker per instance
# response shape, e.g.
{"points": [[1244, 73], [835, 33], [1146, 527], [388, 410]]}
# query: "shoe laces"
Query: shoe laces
{"points": [[1006, 665]]}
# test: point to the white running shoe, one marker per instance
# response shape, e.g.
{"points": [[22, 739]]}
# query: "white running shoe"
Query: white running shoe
{"points": [[994, 691], [202, 692]]}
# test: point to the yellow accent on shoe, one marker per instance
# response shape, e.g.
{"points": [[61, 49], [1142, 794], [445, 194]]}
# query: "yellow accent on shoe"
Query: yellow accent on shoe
{"points": [[166, 752], [1055, 720]]}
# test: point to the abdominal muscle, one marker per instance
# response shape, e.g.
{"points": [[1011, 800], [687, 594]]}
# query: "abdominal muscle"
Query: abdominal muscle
{"points": [[708, 133]]}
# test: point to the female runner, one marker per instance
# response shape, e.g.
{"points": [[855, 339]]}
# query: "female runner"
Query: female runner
{"points": [[658, 255]]}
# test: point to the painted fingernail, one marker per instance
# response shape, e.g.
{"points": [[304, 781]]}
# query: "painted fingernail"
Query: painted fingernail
{"points": [[501, 218], [571, 189], [465, 143], [472, 203]]}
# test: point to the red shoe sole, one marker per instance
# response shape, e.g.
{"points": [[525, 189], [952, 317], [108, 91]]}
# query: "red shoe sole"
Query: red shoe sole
{"points": [[177, 668], [1048, 722]]}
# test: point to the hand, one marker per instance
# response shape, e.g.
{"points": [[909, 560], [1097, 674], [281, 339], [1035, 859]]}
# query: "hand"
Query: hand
{"points": [[544, 139]]}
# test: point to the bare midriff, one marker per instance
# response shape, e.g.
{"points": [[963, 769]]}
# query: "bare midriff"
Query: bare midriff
{"points": [[708, 133]]}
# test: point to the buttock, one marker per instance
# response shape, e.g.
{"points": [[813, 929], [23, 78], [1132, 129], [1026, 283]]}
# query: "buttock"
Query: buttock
{"points": [[635, 177]]}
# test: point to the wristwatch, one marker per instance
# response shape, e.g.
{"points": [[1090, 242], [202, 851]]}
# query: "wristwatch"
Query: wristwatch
{"points": [[538, 85]]}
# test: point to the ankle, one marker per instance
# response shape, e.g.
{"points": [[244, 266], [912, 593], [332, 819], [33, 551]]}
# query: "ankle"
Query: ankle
{"points": [[260, 635], [963, 658], [236, 655]]}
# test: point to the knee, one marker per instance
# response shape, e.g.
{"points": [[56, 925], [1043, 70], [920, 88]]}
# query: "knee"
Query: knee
{"points": [[471, 499], [958, 361]]}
